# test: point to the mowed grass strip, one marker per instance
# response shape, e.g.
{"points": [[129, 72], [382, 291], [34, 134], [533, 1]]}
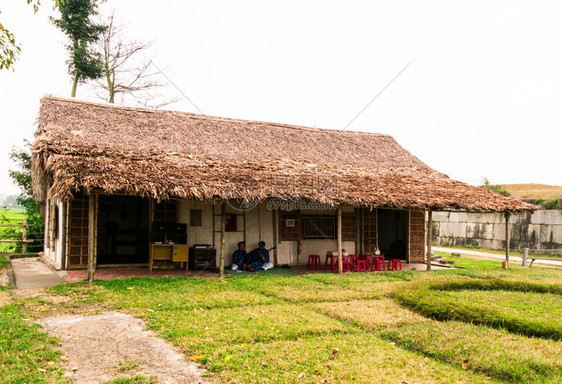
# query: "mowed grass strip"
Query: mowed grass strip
{"points": [[442, 305], [349, 358], [494, 283], [27, 354], [441, 300], [200, 331], [495, 353], [300, 289], [370, 285], [541, 308], [371, 315]]}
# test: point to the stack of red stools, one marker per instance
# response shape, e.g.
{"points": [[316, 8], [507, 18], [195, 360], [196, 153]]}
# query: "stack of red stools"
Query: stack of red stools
{"points": [[346, 264], [377, 263], [361, 261], [394, 265]]}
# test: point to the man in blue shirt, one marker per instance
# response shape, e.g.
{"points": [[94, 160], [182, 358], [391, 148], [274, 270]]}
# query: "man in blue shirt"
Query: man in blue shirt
{"points": [[240, 257], [259, 256]]}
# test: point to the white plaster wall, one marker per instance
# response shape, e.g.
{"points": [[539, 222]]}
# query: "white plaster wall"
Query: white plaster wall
{"points": [[287, 252], [258, 226], [540, 230], [197, 234], [54, 251]]}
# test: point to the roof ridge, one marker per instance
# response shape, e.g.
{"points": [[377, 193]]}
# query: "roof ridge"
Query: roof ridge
{"points": [[198, 116]]}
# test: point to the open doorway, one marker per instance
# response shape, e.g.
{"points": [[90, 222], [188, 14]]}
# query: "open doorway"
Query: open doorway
{"points": [[393, 233], [122, 230]]}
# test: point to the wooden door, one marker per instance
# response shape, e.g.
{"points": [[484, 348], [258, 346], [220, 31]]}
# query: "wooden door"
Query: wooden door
{"points": [[370, 231], [78, 232]]}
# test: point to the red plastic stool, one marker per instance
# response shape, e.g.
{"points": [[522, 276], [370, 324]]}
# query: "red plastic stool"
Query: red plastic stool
{"points": [[361, 263], [345, 265], [378, 264], [313, 262], [394, 265]]}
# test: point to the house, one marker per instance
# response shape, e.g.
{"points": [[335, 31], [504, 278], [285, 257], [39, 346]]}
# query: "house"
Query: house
{"points": [[107, 173]]}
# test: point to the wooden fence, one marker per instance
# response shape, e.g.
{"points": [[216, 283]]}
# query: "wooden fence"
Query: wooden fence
{"points": [[18, 231]]}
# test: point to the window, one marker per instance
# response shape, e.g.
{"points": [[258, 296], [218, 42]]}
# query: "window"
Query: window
{"points": [[56, 222], [231, 224], [318, 227], [195, 218], [165, 211], [288, 226], [348, 227]]}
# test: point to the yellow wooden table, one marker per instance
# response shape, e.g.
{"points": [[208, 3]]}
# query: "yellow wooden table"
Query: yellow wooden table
{"points": [[176, 253]]}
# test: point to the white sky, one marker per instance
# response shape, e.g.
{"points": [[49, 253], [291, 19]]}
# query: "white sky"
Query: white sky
{"points": [[482, 99]]}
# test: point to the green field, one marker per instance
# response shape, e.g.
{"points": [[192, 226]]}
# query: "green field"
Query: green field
{"points": [[10, 214], [480, 324]]}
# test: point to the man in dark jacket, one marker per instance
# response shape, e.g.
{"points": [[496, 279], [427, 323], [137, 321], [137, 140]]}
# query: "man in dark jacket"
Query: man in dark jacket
{"points": [[259, 256], [240, 257]]}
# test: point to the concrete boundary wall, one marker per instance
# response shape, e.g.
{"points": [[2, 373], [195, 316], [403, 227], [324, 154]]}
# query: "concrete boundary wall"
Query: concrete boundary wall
{"points": [[540, 230]]}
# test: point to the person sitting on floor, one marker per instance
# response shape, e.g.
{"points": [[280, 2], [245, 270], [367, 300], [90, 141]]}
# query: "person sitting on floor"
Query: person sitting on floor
{"points": [[259, 256], [240, 257]]}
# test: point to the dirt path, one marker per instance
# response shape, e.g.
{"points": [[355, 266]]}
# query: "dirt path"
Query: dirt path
{"points": [[104, 347]]}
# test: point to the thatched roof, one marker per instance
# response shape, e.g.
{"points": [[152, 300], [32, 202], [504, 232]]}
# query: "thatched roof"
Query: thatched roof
{"points": [[165, 154]]}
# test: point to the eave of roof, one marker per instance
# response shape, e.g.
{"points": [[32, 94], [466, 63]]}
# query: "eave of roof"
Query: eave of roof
{"points": [[165, 154]]}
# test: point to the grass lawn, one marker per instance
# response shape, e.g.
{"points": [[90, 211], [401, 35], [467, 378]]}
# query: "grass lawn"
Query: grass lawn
{"points": [[480, 324], [512, 252]]}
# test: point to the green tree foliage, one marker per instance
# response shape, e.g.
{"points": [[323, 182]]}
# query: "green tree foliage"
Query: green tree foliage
{"points": [[76, 22], [496, 188], [9, 48], [22, 178]]}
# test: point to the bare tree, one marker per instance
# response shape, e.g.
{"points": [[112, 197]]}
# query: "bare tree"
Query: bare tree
{"points": [[128, 73]]}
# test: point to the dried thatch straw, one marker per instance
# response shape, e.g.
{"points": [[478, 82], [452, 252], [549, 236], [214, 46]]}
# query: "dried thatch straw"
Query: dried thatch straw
{"points": [[165, 154]]}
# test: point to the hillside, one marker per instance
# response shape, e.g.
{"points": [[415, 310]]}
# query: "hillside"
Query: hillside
{"points": [[534, 191]]}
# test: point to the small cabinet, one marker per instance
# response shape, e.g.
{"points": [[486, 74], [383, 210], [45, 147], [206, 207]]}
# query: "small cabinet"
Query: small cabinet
{"points": [[180, 253], [202, 258], [176, 253]]}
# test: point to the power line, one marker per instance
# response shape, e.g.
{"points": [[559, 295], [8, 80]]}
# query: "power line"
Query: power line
{"points": [[175, 86], [378, 94]]}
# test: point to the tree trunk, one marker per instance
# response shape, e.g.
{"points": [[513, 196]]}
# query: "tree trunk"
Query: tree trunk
{"points": [[74, 84]]}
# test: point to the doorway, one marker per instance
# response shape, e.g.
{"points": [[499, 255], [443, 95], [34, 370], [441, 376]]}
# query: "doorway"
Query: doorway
{"points": [[393, 233], [123, 231]]}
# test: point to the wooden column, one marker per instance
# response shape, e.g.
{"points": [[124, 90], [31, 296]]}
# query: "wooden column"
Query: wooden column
{"points": [[275, 235], [64, 226], [505, 264], [429, 240], [340, 263], [91, 235], [223, 239]]}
